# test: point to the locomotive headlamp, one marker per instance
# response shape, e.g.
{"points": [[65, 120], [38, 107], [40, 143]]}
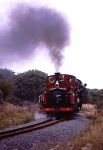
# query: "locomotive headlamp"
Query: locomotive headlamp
{"points": [[57, 84], [78, 100]]}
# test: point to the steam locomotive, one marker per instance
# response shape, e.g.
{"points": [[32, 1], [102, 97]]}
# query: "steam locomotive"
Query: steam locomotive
{"points": [[63, 94]]}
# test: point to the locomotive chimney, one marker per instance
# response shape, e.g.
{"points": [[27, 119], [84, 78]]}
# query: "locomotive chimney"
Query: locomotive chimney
{"points": [[57, 75]]}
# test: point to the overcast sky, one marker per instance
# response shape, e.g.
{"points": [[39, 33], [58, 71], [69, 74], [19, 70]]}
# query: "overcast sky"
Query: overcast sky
{"points": [[84, 56]]}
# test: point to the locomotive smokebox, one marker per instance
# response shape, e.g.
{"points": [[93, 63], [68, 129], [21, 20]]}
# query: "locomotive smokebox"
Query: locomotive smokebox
{"points": [[57, 75]]}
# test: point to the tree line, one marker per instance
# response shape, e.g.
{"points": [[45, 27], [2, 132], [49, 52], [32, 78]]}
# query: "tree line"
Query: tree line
{"points": [[23, 86], [28, 85]]}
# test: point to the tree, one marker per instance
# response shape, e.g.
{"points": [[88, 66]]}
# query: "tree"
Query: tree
{"points": [[1, 97], [6, 87], [6, 73], [30, 84]]}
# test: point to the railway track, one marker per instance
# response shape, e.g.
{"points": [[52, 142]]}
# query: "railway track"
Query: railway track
{"points": [[29, 128]]}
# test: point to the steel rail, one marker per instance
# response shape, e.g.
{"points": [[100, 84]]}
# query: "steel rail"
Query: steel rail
{"points": [[29, 128]]}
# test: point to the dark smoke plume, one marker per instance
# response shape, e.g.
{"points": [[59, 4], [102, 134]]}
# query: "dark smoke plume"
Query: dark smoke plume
{"points": [[29, 27]]}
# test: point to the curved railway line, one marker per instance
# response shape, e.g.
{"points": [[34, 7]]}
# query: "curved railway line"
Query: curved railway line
{"points": [[29, 128]]}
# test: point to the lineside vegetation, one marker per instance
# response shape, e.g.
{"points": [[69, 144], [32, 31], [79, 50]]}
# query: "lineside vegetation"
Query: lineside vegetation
{"points": [[12, 115]]}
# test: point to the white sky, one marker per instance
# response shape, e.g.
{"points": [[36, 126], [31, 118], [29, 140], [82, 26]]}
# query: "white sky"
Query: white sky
{"points": [[84, 57]]}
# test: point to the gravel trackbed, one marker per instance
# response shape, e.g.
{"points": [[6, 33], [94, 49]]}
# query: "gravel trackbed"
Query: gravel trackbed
{"points": [[46, 138]]}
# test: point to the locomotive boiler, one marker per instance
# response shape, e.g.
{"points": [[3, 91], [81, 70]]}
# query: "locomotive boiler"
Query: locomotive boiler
{"points": [[63, 94]]}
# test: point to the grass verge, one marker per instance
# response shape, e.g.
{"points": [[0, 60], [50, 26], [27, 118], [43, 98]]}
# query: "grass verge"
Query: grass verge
{"points": [[92, 138], [11, 115]]}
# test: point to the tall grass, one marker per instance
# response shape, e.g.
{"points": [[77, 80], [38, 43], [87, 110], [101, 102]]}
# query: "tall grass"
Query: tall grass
{"points": [[92, 138], [11, 115]]}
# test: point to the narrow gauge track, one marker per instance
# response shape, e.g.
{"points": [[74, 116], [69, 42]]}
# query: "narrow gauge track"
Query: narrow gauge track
{"points": [[29, 128]]}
